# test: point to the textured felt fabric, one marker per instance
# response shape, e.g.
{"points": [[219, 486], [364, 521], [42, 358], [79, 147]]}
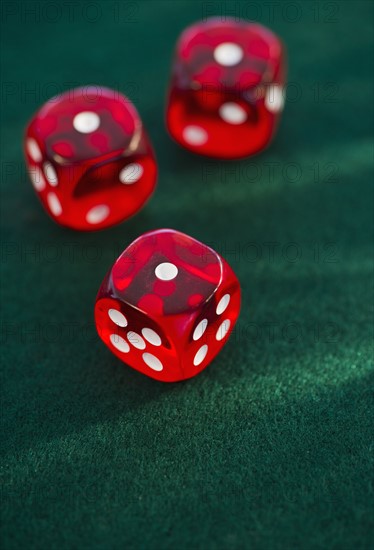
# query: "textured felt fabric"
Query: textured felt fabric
{"points": [[271, 446]]}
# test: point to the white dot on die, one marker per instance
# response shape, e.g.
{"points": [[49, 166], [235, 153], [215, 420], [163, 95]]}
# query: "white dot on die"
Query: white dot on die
{"points": [[119, 343], [274, 99], [232, 113], [166, 271], [200, 329], [136, 340], [152, 361], [50, 174], [33, 150], [200, 355], [97, 214], [117, 317], [223, 329], [37, 178], [151, 336], [222, 304], [54, 204], [131, 173], [228, 54], [86, 122], [195, 135]]}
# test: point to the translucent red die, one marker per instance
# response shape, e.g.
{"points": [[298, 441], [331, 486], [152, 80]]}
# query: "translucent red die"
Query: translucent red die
{"points": [[89, 158], [168, 305], [227, 88]]}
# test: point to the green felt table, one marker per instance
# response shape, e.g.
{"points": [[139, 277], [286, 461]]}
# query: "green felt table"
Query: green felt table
{"points": [[271, 446]]}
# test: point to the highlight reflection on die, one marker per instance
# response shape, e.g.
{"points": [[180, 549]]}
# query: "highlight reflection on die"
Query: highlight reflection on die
{"points": [[168, 305], [89, 158]]}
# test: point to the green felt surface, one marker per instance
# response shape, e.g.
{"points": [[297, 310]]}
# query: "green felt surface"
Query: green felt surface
{"points": [[271, 446]]}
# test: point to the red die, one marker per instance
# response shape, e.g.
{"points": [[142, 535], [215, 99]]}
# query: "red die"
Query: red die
{"points": [[168, 305], [89, 158], [226, 90]]}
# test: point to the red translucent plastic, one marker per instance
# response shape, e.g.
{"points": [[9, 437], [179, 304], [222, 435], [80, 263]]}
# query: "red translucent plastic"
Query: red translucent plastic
{"points": [[227, 88], [168, 305], [89, 158]]}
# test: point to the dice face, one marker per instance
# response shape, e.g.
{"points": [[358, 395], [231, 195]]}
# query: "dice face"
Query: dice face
{"points": [[227, 88], [168, 305], [89, 158]]}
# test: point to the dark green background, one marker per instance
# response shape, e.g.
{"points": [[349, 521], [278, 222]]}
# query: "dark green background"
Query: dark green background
{"points": [[271, 446]]}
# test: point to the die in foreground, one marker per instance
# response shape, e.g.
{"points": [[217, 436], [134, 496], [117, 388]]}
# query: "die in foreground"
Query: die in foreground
{"points": [[168, 305], [89, 158], [226, 92]]}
